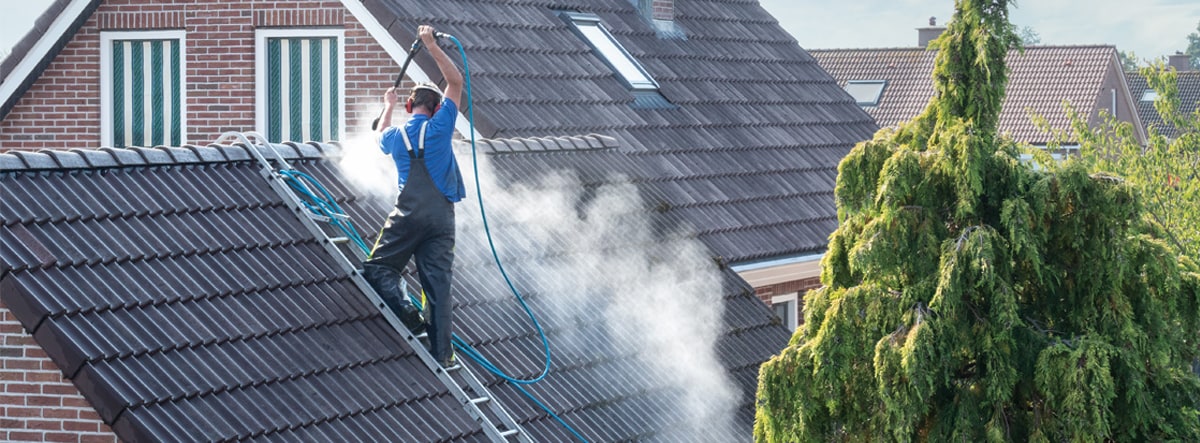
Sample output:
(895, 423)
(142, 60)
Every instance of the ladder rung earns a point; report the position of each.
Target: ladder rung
(456, 367)
(422, 336)
(480, 400)
(318, 217)
(509, 433)
(339, 240)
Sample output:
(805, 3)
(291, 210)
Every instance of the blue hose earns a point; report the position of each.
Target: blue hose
(459, 343)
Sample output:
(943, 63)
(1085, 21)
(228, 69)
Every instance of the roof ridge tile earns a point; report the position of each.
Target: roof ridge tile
(67, 159)
(125, 157)
(153, 156)
(10, 162)
(36, 160)
(96, 159)
(180, 155)
(207, 154)
(232, 152)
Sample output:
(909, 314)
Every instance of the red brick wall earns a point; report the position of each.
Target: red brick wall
(799, 286)
(62, 109)
(36, 402)
(663, 9)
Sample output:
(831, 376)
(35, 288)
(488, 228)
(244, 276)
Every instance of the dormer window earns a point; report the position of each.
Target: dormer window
(866, 92)
(589, 28)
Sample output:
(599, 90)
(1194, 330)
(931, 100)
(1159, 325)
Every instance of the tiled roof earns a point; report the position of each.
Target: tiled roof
(1188, 83)
(750, 149)
(187, 302)
(1040, 80)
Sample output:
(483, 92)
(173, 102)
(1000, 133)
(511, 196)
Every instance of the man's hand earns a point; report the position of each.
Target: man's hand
(390, 97)
(453, 78)
(426, 32)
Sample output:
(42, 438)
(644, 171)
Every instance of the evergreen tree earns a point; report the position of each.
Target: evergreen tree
(969, 297)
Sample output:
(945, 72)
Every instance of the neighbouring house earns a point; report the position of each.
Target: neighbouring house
(1188, 82)
(895, 84)
(163, 293)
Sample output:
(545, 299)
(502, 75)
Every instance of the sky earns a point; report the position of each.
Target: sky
(1149, 28)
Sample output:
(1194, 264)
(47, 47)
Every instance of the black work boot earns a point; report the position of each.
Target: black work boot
(386, 282)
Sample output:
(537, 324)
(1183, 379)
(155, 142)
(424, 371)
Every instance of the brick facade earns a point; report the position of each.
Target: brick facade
(798, 286)
(36, 402)
(663, 9)
(62, 109)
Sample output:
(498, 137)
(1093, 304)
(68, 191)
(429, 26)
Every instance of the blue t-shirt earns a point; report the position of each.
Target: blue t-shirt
(439, 154)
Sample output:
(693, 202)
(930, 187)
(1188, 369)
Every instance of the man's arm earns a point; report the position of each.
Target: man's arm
(454, 79)
(389, 103)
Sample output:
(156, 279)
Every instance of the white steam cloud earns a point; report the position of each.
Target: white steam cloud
(660, 300)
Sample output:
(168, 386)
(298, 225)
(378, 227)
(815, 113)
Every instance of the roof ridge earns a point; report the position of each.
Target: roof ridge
(543, 144)
(108, 157)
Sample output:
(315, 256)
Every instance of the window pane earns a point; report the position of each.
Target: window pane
(786, 312)
(609, 50)
(866, 93)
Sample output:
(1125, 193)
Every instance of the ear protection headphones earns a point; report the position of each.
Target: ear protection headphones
(408, 106)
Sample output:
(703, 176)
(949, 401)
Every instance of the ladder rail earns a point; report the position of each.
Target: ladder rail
(500, 429)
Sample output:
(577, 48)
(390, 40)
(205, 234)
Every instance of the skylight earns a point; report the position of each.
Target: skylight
(866, 92)
(588, 27)
(1149, 95)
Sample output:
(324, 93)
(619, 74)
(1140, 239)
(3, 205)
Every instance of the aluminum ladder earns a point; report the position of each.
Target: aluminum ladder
(495, 421)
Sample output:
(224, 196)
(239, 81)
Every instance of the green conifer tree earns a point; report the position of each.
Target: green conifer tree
(969, 297)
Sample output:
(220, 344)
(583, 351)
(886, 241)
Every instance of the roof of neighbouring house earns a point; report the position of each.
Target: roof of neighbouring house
(1040, 79)
(1188, 83)
(186, 301)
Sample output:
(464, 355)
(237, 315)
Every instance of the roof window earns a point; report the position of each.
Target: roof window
(1149, 95)
(588, 27)
(866, 92)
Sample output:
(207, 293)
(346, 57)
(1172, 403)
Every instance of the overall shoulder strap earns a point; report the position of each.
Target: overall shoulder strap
(420, 151)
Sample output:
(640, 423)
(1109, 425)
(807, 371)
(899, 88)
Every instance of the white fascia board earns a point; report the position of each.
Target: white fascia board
(44, 45)
(782, 270)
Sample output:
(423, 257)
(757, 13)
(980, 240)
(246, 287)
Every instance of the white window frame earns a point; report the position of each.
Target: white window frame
(793, 300)
(260, 71)
(1149, 95)
(106, 89)
(605, 52)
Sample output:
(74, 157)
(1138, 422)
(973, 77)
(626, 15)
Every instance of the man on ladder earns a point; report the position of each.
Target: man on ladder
(422, 223)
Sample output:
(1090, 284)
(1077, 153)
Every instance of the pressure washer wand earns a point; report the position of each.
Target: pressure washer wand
(412, 52)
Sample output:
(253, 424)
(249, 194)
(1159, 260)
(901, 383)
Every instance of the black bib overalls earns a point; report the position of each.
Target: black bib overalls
(421, 224)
